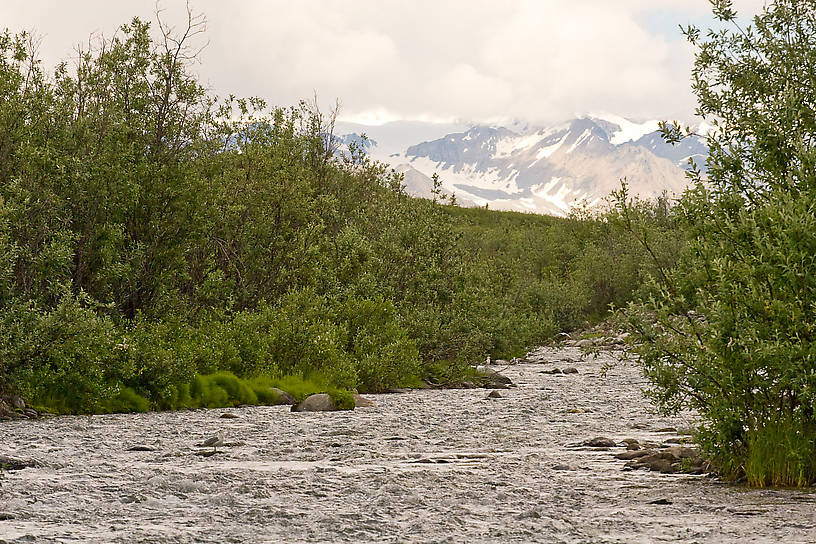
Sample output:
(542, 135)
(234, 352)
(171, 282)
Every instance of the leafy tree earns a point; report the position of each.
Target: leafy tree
(730, 329)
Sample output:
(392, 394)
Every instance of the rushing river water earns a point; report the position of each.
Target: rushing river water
(425, 466)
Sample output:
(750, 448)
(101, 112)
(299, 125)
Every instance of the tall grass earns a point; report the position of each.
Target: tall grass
(781, 453)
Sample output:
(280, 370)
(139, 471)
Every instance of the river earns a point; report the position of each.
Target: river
(424, 466)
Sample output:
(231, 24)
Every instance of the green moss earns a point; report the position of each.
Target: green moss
(343, 400)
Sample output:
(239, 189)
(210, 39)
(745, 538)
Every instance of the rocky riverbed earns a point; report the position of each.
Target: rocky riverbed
(423, 466)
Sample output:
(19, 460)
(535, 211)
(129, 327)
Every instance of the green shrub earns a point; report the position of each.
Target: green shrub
(127, 401)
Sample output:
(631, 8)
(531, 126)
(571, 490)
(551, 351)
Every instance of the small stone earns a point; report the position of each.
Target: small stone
(600, 442)
(494, 395)
(629, 455)
(141, 447)
(570, 370)
(552, 371)
(206, 453)
(661, 501)
(362, 402)
(9, 463)
(667, 430)
(562, 467)
(229, 415)
(631, 444)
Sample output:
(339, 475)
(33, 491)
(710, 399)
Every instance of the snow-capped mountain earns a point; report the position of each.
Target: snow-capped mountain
(548, 170)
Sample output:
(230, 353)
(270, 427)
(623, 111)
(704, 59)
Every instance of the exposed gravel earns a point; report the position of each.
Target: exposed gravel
(425, 466)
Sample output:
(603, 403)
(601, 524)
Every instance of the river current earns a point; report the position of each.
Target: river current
(423, 466)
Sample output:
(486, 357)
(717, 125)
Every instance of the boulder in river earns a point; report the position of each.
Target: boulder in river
(320, 402)
(570, 370)
(494, 380)
(494, 395)
(362, 402)
(282, 397)
(9, 463)
(6, 411)
(600, 442)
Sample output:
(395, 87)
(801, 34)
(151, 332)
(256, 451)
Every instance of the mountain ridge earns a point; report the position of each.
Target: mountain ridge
(548, 169)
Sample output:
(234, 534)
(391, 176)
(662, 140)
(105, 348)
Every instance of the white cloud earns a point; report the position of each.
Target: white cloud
(384, 59)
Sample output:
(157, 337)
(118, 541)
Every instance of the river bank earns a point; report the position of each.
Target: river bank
(423, 466)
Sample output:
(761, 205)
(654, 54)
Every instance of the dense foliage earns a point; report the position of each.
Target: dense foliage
(731, 328)
(163, 248)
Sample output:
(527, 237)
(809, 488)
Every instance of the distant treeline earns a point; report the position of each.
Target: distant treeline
(154, 237)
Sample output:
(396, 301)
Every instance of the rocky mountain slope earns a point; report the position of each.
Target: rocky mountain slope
(548, 170)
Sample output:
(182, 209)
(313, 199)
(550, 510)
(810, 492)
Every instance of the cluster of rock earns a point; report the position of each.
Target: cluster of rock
(604, 335)
(14, 407)
(664, 458)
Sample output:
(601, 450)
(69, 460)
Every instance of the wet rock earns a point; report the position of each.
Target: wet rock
(362, 402)
(600, 442)
(320, 402)
(495, 379)
(631, 444)
(229, 415)
(9, 463)
(668, 460)
(661, 501)
(667, 430)
(6, 411)
(562, 467)
(141, 447)
(552, 371)
(570, 370)
(5, 516)
(681, 452)
(656, 462)
(494, 395)
(282, 397)
(31, 413)
(629, 455)
(207, 453)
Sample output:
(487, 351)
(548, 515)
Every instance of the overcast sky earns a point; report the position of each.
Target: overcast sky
(466, 60)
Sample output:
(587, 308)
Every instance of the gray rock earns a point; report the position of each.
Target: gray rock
(570, 370)
(17, 403)
(667, 430)
(282, 397)
(631, 444)
(600, 442)
(229, 415)
(141, 447)
(629, 455)
(362, 402)
(494, 395)
(9, 463)
(6, 411)
(320, 402)
(5, 516)
(552, 371)
(495, 378)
